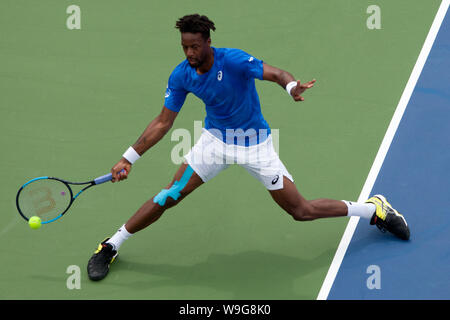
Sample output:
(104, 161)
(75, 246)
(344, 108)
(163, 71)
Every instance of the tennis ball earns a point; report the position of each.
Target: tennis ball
(34, 222)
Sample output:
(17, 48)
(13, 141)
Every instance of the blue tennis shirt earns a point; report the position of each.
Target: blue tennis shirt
(233, 110)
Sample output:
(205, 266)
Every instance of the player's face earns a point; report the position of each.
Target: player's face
(195, 48)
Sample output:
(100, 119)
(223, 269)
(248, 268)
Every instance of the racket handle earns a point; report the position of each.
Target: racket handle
(105, 178)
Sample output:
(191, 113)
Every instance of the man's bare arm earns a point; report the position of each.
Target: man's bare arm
(282, 77)
(154, 132)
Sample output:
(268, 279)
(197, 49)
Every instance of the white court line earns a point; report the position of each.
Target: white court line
(382, 151)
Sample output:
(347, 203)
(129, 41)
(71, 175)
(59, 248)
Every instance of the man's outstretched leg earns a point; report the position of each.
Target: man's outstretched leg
(184, 182)
(377, 210)
(301, 209)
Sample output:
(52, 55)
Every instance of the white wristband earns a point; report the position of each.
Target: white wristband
(290, 85)
(131, 155)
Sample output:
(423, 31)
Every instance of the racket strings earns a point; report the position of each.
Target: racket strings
(45, 198)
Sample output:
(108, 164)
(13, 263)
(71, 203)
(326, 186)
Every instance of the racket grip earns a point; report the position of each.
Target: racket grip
(105, 178)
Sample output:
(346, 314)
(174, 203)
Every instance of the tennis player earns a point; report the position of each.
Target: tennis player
(235, 132)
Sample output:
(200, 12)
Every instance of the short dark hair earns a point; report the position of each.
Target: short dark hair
(195, 23)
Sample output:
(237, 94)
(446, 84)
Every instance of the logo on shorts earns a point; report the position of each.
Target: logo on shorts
(275, 180)
(219, 75)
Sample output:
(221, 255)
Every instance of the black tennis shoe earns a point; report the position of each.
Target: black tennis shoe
(98, 265)
(387, 218)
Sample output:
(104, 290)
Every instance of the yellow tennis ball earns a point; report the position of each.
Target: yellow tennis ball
(35, 222)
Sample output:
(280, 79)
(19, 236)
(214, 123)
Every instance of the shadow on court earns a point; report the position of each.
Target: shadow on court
(246, 275)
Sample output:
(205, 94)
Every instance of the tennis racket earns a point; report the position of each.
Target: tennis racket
(49, 198)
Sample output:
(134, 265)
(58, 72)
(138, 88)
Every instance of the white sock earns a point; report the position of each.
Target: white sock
(121, 235)
(363, 210)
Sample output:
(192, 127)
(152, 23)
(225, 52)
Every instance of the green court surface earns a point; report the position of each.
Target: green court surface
(72, 101)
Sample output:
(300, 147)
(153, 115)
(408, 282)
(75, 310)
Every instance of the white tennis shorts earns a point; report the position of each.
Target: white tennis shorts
(210, 155)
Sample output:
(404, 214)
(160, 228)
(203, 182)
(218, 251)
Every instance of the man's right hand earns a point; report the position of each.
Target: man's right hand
(117, 175)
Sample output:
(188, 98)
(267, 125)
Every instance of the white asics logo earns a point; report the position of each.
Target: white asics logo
(250, 59)
(219, 75)
(167, 92)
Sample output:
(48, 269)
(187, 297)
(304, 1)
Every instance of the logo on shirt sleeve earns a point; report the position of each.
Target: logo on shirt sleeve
(251, 59)
(167, 92)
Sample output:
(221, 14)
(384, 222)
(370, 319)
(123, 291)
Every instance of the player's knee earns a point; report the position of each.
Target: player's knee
(169, 197)
(302, 213)
(176, 191)
(299, 216)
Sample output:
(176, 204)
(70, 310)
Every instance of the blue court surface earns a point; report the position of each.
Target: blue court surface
(415, 178)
